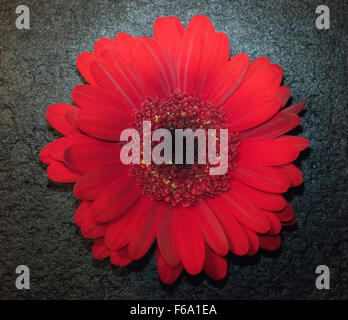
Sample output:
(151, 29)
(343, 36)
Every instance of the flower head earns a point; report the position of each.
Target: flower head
(183, 78)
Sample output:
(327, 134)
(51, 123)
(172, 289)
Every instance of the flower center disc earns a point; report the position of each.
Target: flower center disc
(182, 183)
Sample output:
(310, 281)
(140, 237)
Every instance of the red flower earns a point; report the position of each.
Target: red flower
(181, 78)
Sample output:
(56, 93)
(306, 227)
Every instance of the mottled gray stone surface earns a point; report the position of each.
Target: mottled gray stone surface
(37, 68)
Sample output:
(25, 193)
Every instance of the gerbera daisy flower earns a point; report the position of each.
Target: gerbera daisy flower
(182, 78)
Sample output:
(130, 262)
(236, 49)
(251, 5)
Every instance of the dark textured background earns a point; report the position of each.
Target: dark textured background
(37, 69)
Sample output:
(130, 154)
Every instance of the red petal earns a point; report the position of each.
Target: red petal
(213, 233)
(87, 157)
(276, 226)
(166, 238)
(296, 108)
(90, 185)
(115, 200)
(123, 45)
(215, 53)
(292, 173)
(270, 242)
(104, 44)
(56, 116)
(263, 178)
(90, 230)
(190, 52)
(105, 79)
(120, 257)
(168, 274)
(118, 231)
(297, 142)
(283, 94)
(103, 123)
(215, 265)
(93, 97)
(81, 212)
(246, 213)
(200, 22)
(225, 82)
(262, 80)
(287, 214)
(99, 250)
(59, 172)
(126, 81)
(45, 155)
(289, 223)
(253, 241)
(252, 113)
(189, 240)
(168, 32)
(266, 152)
(57, 148)
(275, 127)
(152, 67)
(144, 231)
(237, 240)
(260, 199)
(83, 63)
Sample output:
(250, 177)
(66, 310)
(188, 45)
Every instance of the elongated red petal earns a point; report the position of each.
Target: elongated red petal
(56, 116)
(103, 123)
(252, 113)
(283, 94)
(275, 223)
(120, 257)
(189, 240)
(81, 212)
(168, 32)
(87, 157)
(292, 173)
(266, 152)
(189, 63)
(56, 149)
(123, 75)
(59, 172)
(213, 233)
(215, 53)
(260, 199)
(270, 242)
(118, 231)
(222, 84)
(248, 215)
(260, 81)
(237, 240)
(253, 241)
(45, 155)
(167, 273)
(152, 67)
(83, 63)
(281, 123)
(99, 250)
(263, 178)
(295, 108)
(115, 200)
(287, 214)
(90, 185)
(104, 44)
(144, 232)
(89, 229)
(166, 238)
(215, 265)
(296, 142)
(123, 45)
(93, 97)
